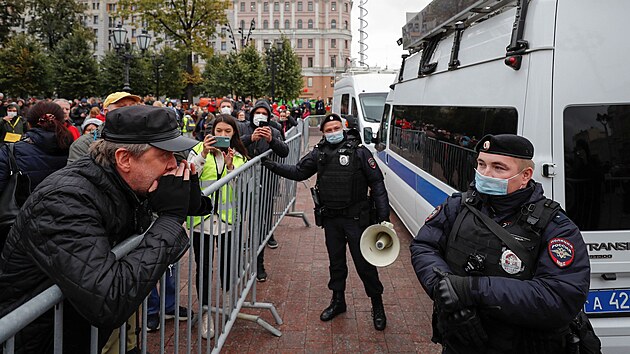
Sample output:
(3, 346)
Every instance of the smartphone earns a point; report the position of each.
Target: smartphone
(263, 123)
(221, 142)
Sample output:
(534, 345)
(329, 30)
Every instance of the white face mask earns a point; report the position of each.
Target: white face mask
(12, 114)
(258, 117)
(226, 110)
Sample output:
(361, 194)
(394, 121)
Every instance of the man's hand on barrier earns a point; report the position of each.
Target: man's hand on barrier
(465, 326)
(451, 292)
(170, 195)
(268, 163)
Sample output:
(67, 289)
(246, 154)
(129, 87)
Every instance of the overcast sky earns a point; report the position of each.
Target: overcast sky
(385, 21)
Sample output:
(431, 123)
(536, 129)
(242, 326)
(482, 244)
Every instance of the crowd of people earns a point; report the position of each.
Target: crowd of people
(507, 270)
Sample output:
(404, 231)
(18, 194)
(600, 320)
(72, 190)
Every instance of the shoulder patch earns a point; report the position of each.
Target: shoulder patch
(433, 213)
(561, 252)
(372, 163)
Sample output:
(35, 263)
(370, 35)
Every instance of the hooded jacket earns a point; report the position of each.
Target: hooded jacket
(255, 148)
(64, 235)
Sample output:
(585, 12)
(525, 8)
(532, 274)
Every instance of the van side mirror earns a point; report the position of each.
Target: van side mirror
(368, 136)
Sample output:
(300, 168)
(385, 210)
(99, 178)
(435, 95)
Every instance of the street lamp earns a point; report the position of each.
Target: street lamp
(241, 31)
(272, 52)
(124, 50)
(158, 62)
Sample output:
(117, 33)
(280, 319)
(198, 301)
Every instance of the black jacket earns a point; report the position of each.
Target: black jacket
(64, 235)
(37, 155)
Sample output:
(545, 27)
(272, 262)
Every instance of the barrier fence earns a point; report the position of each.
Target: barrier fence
(249, 204)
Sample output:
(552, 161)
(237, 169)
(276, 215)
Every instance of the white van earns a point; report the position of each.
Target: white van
(562, 82)
(359, 99)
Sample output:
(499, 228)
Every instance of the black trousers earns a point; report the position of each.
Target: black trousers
(340, 232)
(208, 251)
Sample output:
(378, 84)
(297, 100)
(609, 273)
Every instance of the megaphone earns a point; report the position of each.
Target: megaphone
(380, 245)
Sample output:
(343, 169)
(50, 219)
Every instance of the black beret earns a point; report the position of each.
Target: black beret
(142, 124)
(507, 145)
(330, 118)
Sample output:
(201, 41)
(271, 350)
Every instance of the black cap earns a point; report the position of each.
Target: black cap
(507, 145)
(330, 118)
(156, 126)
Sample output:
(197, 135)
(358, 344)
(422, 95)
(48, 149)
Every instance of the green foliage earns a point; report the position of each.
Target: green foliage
(252, 76)
(10, 16)
(112, 74)
(75, 69)
(25, 68)
(216, 82)
(170, 64)
(54, 20)
(288, 77)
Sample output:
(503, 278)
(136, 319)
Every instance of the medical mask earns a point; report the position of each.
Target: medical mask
(226, 110)
(491, 185)
(259, 117)
(12, 114)
(334, 138)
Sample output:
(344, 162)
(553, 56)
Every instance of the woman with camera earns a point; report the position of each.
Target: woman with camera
(219, 154)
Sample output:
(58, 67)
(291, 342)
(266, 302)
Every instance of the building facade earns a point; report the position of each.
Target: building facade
(319, 32)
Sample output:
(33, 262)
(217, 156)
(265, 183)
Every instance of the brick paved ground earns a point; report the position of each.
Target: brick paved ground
(297, 286)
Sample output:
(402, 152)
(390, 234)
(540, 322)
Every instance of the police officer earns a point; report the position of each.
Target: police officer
(345, 169)
(506, 268)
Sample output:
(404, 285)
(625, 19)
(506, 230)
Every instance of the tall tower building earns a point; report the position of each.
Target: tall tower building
(319, 32)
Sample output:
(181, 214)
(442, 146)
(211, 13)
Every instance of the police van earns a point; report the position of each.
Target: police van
(359, 98)
(551, 70)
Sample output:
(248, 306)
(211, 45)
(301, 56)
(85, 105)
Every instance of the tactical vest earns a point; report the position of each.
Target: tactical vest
(340, 179)
(474, 249)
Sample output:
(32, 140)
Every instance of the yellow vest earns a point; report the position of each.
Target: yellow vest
(210, 173)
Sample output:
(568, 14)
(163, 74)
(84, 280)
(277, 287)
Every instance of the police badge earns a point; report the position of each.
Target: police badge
(344, 160)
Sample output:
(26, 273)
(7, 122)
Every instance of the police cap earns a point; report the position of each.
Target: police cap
(329, 118)
(507, 145)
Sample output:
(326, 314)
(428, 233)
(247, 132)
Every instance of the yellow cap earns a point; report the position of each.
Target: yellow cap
(116, 96)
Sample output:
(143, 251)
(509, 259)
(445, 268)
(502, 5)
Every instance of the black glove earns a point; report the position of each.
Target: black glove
(194, 204)
(270, 164)
(465, 327)
(171, 197)
(451, 292)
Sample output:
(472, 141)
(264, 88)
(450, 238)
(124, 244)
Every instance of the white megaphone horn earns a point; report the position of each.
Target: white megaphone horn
(380, 245)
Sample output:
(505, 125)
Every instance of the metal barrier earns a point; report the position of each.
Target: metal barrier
(249, 204)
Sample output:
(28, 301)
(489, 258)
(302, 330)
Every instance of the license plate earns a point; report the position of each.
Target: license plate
(608, 301)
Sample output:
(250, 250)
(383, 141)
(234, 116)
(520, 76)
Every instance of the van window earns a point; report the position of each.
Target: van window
(354, 108)
(345, 99)
(440, 140)
(382, 132)
(372, 104)
(597, 166)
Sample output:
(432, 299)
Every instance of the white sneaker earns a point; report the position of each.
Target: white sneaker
(205, 333)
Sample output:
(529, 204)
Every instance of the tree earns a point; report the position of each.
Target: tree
(171, 69)
(217, 81)
(10, 16)
(54, 20)
(288, 75)
(253, 78)
(112, 74)
(190, 23)
(25, 68)
(75, 71)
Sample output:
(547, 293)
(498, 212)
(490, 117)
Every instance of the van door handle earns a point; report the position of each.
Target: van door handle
(609, 276)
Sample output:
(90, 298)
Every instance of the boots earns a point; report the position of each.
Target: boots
(378, 313)
(337, 306)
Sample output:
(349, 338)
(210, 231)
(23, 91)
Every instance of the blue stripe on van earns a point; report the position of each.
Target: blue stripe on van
(424, 188)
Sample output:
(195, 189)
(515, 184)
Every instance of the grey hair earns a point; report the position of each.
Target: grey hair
(104, 152)
(61, 100)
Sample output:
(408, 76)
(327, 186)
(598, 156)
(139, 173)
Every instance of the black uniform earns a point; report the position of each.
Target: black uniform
(345, 171)
(518, 290)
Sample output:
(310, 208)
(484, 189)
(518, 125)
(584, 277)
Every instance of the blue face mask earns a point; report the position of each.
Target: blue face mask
(334, 138)
(491, 185)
